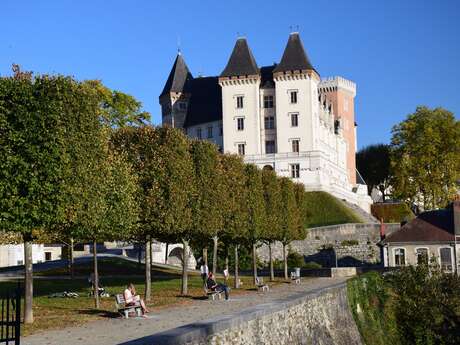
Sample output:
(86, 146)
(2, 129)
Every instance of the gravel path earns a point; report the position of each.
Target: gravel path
(116, 331)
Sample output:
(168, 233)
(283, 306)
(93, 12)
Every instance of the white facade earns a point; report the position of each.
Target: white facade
(282, 117)
(13, 254)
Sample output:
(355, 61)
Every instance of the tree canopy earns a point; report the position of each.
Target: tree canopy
(425, 157)
(373, 163)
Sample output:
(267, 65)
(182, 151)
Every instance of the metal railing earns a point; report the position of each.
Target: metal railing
(10, 319)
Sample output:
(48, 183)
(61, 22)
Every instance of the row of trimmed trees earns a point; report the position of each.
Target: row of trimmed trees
(77, 164)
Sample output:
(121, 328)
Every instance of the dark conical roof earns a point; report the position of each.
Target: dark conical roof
(241, 61)
(294, 56)
(179, 77)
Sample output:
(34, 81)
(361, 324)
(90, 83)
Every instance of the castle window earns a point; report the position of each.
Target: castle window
(295, 145)
(240, 123)
(294, 120)
(269, 122)
(293, 97)
(239, 102)
(241, 149)
(268, 101)
(209, 132)
(198, 133)
(295, 170)
(182, 106)
(270, 146)
(400, 256)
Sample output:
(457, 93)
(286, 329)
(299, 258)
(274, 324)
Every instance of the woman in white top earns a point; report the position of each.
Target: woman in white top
(132, 299)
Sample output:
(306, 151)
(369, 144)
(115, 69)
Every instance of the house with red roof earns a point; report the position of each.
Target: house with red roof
(433, 234)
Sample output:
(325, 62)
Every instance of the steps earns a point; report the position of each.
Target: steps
(360, 213)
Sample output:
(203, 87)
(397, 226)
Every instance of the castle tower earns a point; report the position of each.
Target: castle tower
(240, 82)
(296, 101)
(341, 93)
(175, 97)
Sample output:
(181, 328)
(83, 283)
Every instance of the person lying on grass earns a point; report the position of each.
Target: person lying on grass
(132, 299)
(214, 286)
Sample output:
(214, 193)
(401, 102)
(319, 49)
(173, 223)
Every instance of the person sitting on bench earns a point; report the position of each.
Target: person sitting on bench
(214, 286)
(132, 299)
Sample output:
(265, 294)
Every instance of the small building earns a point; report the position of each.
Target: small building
(432, 234)
(13, 254)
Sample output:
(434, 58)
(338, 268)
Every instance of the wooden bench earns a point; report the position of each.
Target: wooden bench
(260, 284)
(212, 294)
(123, 309)
(295, 278)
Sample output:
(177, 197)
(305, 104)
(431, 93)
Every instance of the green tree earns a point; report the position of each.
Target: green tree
(207, 213)
(233, 205)
(141, 147)
(255, 205)
(272, 199)
(373, 163)
(32, 160)
(290, 218)
(425, 157)
(174, 193)
(117, 109)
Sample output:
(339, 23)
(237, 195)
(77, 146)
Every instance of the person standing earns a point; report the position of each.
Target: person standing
(204, 271)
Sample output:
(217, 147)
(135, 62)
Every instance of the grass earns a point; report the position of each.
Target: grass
(324, 209)
(370, 301)
(55, 313)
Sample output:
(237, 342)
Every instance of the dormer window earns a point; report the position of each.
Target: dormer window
(239, 102)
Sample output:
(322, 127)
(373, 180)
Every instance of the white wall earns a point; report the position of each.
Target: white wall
(250, 136)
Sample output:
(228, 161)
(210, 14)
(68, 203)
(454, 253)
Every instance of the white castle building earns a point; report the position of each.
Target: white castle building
(283, 117)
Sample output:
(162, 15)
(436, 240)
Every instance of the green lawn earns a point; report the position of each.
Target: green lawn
(52, 313)
(324, 209)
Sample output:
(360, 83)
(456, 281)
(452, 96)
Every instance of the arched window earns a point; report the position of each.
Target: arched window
(400, 256)
(268, 167)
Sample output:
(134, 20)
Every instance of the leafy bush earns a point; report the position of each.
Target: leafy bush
(392, 213)
(349, 243)
(311, 265)
(414, 305)
(324, 209)
(295, 259)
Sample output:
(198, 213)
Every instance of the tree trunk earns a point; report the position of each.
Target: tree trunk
(205, 256)
(285, 262)
(28, 282)
(254, 262)
(139, 255)
(272, 271)
(148, 270)
(166, 254)
(184, 268)
(214, 256)
(96, 277)
(237, 277)
(71, 259)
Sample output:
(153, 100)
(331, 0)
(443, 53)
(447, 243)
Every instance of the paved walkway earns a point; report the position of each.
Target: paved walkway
(117, 331)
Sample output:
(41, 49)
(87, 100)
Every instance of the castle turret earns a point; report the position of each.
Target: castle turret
(175, 97)
(240, 82)
(296, 99)
(341, 93)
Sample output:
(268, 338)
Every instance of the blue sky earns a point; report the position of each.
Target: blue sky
(400, 53)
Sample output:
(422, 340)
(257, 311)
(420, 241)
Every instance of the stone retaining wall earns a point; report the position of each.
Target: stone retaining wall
(319, 317)
(355, 245)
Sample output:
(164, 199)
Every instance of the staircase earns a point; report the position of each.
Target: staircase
(360, 213)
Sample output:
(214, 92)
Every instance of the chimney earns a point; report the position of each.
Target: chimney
(456, 209)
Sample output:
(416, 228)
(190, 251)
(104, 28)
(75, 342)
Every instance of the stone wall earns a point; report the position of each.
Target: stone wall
(320, 317)
(354, 244)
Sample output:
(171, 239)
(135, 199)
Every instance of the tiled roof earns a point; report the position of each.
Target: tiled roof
(294, 56)
(241, 61)
(205, 102)
(431, 226)
(179, 78)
